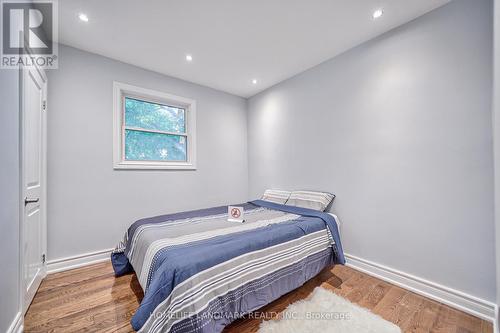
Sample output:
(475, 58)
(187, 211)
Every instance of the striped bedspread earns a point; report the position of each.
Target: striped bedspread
(199, 272)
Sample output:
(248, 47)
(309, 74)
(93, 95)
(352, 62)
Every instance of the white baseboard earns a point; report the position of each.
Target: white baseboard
(64, 264)
(454, 298)
(17, 324)
(496, 323)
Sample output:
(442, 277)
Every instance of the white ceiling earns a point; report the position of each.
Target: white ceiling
(231, 41)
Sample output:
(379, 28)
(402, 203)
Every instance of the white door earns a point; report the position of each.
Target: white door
(33, 228)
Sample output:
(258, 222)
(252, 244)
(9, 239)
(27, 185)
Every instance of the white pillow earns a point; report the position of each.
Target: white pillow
(276, 196)
(310, 199)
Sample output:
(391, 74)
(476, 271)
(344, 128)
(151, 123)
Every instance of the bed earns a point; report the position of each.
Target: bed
(200, 272)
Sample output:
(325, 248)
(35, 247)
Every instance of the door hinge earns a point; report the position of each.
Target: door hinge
(44, 105)
(43, 258)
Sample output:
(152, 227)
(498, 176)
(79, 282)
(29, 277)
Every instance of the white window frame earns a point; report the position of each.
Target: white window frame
(122, 90)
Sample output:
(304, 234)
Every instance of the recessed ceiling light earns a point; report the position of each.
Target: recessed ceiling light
(254, 81)
(83, 17)
(189, 57)
(378, 13)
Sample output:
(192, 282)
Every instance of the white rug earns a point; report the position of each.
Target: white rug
(323, 311)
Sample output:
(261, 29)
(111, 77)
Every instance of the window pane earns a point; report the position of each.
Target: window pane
(154, 116)
(147, 146)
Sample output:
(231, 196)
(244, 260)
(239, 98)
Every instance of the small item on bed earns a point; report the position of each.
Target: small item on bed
(235, 214)
(310, 199)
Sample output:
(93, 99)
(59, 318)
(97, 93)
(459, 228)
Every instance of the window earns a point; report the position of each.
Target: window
(153, 130)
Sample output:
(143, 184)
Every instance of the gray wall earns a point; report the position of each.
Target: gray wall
(9, 197)
(89, 204)
(399, 129)
(496, 126)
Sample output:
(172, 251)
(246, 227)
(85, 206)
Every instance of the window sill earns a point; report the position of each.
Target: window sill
(139, 165)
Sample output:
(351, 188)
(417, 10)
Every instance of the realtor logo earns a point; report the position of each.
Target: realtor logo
(29, 33)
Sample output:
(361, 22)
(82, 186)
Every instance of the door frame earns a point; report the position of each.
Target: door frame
(23, 72)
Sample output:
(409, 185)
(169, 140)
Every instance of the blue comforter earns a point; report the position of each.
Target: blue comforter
(200, 272)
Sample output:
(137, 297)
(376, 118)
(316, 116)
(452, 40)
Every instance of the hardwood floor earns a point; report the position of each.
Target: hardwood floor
(91, 299)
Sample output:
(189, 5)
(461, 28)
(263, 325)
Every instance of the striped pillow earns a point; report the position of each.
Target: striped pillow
(310, 199)
(276, 196)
